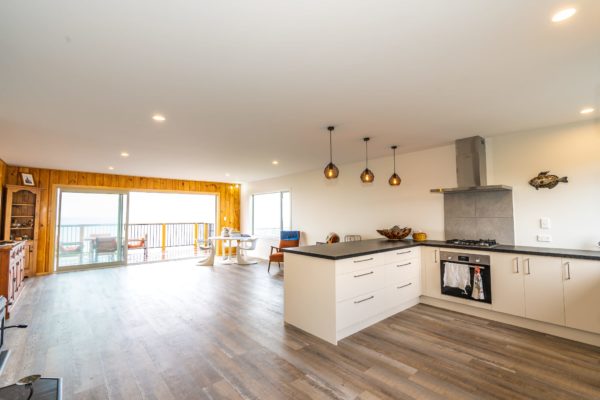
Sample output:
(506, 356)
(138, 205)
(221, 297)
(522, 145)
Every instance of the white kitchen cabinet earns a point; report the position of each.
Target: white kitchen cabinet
(543, 283)
(508, 290)
(430, 264)
(582, 294)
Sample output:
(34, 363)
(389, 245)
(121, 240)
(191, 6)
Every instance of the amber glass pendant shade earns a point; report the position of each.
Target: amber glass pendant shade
(331, 171)
(367, 175)
(395, 178)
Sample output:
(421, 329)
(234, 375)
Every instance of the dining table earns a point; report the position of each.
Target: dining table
(227, 256)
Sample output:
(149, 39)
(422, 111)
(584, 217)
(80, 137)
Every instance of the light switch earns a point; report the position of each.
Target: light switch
(545, 223)
(544, 238)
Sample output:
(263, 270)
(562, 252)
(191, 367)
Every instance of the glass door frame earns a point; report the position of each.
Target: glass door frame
(123, 224)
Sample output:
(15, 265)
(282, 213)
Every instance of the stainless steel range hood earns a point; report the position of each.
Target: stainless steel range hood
(471, 171)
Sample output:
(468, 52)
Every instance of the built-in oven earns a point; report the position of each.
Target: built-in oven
(465, 275)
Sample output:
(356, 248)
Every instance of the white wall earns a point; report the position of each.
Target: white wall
(347, 206)
(574, 208)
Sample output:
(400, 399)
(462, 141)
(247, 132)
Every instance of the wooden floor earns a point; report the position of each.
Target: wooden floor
(178, 331)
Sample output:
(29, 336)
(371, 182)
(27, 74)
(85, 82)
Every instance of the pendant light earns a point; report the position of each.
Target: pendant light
(394, 179)
(367, 175)
(331, 171)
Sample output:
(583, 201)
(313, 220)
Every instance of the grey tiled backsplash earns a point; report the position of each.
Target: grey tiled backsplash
(480, 215)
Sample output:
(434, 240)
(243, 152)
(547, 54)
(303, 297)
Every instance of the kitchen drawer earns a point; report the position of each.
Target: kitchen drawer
(359, 308)
(400, 255)
(402, 292)
(402, 271)
(359, 282)
(356, 263)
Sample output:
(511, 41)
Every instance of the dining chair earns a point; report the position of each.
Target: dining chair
(286, 239)
(244, 246)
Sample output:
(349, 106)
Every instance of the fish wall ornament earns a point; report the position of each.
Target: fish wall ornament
(546, 181)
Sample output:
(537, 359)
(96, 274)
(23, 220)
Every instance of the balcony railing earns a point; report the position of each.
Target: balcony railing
(163, 238)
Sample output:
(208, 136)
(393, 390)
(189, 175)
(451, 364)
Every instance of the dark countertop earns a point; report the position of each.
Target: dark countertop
(339, 251)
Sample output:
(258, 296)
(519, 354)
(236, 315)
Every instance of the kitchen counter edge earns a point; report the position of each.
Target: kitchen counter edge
(373, 246)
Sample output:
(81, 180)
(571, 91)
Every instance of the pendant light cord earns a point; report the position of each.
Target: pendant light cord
(330, 148)
(394, 161)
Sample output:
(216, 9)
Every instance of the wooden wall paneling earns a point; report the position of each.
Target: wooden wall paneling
(47, 180)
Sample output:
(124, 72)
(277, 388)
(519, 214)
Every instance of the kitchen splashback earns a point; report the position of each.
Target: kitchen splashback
(475, 215)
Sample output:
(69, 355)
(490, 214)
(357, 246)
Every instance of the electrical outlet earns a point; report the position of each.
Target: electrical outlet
(544, 238)
(545, 223)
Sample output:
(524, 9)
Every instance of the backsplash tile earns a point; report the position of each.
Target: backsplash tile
(480, 215)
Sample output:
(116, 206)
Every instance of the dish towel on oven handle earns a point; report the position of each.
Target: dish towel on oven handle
(477, 293)
(457, 276)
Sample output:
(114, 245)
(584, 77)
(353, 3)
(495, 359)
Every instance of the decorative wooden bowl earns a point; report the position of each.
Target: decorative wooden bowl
(395, 233)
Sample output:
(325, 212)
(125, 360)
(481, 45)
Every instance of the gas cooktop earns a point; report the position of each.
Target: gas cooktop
(483, 243)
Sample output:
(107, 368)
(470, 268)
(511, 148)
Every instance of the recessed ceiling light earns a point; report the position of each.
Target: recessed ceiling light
(274, 162)
(587, 110)
(563, 14)
(111, 167)
(124, 154)
(159, 118)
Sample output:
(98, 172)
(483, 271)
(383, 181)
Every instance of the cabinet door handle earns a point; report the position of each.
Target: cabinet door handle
(366, 259)
(568, 264)
(435, 256)
(403, 286)
(404, 252)
(365, 274)
(528, 269)
(517, 263)
(403, 265)
(368, 298)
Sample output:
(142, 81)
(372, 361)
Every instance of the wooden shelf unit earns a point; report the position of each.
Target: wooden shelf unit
(21, 221)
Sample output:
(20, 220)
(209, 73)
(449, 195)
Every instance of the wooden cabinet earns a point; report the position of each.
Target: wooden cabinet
(21, 221)
(582, 294)
(12, 272)
(507, 284)
(430, 274)
(543, 282)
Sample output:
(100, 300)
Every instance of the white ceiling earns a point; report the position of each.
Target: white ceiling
(245, 82)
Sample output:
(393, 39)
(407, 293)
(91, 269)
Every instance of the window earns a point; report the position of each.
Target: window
(271, 214)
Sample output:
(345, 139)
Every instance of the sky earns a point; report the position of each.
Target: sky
(145, 207)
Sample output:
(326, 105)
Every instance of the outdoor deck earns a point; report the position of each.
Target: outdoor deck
(162, 242)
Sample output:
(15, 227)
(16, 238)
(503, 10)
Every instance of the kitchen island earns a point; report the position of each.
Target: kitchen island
(333, 291)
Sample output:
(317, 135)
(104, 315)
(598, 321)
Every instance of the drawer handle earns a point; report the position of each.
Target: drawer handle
(368, 298)
(404, 252)
(403, 265)
(367, 259)
(365, 274)
(403, 286)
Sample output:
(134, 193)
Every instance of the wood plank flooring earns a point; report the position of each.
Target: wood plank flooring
(178, 331)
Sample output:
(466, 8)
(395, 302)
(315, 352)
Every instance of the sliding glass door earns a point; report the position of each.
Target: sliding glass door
(90, 229)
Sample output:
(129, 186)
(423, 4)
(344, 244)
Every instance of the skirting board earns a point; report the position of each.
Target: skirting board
(556, 330)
